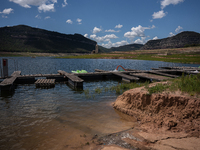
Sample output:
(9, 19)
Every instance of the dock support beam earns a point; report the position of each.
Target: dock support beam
(73, 80)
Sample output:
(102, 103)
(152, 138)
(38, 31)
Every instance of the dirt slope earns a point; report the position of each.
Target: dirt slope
(161, 112)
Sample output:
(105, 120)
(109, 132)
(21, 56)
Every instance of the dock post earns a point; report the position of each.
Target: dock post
(5, 68)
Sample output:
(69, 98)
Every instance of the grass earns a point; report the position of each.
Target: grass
(98, 90)
(120, 88)
(176, 56)
(158, 88)
(189, 84)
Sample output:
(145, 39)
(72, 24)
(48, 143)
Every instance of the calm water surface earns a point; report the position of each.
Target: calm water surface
(34, 118)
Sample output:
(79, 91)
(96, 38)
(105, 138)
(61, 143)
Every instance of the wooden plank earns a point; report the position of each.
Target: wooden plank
(11, 80)
(40, 75)
(150, 76)
(126, 77)
(73, 80)
(98, 70)
(164, 74)
(72, 77)
(45, 83)
(180, 68)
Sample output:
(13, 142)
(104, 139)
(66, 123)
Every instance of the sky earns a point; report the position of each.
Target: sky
(111, 23)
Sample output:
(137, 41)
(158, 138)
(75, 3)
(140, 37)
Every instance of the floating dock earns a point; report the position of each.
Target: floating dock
(45, 83)
(8, 83)
(76, 80)
(73, 80)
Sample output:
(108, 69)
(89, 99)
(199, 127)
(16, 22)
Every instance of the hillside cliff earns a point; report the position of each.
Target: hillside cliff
(23, 38)
(186, 38)
(129, 47)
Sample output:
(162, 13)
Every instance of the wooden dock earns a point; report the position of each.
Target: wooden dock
(163, 74)
(122, 74)
(150, 76)
(8, 83)
(76, 80)
(45, 83)
(126, 78)
(73, 80)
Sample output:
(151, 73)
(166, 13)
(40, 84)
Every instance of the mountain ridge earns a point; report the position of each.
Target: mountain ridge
(183, 39)
(23, 38)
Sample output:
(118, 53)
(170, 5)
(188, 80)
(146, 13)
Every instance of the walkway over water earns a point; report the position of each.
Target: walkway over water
(76, 79)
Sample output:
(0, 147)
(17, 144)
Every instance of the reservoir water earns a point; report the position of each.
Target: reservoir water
(57, 118)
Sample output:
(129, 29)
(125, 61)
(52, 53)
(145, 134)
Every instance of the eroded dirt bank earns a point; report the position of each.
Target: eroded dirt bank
(166, 120)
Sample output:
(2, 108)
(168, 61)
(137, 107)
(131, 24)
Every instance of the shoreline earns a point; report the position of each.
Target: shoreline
(189, 55)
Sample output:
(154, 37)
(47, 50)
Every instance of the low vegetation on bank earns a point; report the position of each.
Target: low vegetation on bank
(189, 55)
(186, 84)
(180, 55)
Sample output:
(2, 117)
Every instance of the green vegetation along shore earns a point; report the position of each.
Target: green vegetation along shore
(190, 55)
(186, 84)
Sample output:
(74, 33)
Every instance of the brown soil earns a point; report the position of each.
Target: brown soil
(161, 112)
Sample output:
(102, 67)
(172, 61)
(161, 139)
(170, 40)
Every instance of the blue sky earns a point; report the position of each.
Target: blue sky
(111, 23)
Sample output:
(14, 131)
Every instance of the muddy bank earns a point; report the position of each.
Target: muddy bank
(161, 112)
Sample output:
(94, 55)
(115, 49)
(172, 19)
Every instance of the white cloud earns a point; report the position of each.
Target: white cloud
(110, 36)
(96, 30)
(38, 16)
(103, 38)
(86, 35)
(119, 26)
(165, 3)
(140, 41)
(28, 3)
(137, 32)
(111, 30)
(152, 27)
(159, 14)
(117, 44)
(79, 21)
(65, 3)
(108, 45)
(178, 29)
(45, 7)
(47, 17)
(171, 34)
(4, 16)
(155, 38)
(69, 21)
(7, 11)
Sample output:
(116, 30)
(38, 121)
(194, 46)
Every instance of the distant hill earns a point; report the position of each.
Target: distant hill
(183, 39)
(129, 47)
(23, 38)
